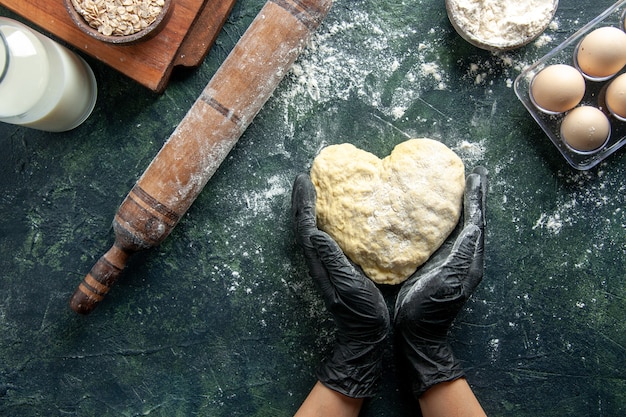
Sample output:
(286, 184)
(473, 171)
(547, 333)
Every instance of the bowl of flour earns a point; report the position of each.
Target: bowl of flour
(498, 25)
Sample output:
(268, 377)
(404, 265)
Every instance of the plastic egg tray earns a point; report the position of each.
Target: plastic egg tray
(551, 123)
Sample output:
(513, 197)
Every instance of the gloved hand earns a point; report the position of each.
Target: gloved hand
(430, 299)
(357, 306)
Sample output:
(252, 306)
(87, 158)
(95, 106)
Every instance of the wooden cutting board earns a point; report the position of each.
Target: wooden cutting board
(184, 41)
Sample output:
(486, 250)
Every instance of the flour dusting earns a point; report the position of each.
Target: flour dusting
(588, 197)
(333, 67)
(259, 202)
(471, 152)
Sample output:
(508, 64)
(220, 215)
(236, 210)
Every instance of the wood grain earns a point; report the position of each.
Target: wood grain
(185, 40)
(203, 139)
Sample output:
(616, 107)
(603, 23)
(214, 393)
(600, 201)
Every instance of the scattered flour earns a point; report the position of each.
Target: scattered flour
(334, 67)
(543, 40)
(506, 64)
(552, 223)
(471, 152)
(259, 202)
(588, 192)
(384, 68)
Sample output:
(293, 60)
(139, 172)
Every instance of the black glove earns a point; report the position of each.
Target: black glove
(430, 299)
(357, 306)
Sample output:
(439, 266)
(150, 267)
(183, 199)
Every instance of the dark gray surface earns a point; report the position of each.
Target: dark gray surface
(222, 320)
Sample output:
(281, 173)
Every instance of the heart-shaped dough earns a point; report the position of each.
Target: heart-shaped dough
(389, 215)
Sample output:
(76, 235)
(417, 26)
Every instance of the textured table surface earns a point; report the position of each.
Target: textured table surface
(222, 319)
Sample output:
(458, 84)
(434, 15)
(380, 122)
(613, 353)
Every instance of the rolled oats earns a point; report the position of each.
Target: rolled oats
(119, 17)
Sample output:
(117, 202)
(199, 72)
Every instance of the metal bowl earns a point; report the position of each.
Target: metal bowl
(107, 32)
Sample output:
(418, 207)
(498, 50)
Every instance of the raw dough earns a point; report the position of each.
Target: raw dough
(389, 215)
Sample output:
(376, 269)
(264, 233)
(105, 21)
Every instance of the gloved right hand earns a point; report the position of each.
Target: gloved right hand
(357, 306)
(430, 299)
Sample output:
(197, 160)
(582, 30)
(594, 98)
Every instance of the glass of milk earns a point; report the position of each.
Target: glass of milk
(43, 85)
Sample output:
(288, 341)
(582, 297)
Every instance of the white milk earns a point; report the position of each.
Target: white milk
(45, 86)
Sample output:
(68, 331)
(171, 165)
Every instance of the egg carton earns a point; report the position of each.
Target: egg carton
(594, 92)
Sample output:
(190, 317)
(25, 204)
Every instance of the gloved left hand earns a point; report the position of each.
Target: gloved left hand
(357, 306)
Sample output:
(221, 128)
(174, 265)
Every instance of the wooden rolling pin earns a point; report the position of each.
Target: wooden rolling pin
(203, 139)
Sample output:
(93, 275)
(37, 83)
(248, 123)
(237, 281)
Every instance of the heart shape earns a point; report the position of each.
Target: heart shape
(389, 215)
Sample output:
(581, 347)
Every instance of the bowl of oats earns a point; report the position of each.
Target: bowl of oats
(120, 21)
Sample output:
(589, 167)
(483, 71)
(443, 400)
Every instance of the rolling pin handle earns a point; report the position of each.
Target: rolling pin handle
(99, 280)
(201, 141)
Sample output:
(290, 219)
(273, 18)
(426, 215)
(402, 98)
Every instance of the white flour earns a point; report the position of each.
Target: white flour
(502, 23)
(334, 67)
(587, 191)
